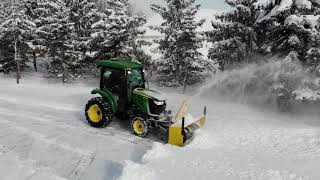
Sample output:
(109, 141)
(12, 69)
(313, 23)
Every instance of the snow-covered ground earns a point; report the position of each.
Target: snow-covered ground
(44, 135)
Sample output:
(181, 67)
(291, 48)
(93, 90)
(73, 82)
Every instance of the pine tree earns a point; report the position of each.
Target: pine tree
(41, 15)
(114, 34)
(288, 26)
(265, 28)
(235, 37)
(16, 34)
(3, 15)
(313, 54)
(83, 14)
(137, 21)
(35, 44)
(3, 12)
(182, 62)
(59, 35)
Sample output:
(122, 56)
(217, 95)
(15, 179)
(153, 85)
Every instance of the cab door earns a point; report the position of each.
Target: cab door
(135, 79)
(114, 81)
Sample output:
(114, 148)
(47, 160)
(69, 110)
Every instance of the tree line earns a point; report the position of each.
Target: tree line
(74, 34)
(257, 28)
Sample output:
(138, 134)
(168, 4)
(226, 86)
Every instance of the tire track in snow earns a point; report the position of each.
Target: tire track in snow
(26, 143)
(26, 169)
(29, 102)
(50, 116)
(57, 131)
(84, 162)
(39, 136)
(107, 133)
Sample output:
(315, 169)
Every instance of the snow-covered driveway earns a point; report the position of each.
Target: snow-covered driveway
(44, 135)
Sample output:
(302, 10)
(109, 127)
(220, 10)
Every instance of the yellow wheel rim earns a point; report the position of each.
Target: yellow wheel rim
(138, 126)
(94, 113)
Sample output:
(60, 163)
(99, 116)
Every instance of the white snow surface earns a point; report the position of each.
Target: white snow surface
(44, 135)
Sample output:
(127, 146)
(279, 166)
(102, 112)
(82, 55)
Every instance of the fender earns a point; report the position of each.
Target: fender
(108, 96)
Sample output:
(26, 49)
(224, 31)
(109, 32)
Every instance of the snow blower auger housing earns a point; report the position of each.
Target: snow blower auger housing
(123, 95)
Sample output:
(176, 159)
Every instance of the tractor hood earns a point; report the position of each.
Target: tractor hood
(149, 94)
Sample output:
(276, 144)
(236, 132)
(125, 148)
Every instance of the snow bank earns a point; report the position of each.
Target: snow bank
(143, 170)
(134, 170)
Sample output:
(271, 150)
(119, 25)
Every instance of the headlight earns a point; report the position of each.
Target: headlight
(159, 103)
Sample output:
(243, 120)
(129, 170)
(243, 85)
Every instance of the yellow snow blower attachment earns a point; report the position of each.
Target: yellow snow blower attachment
(182, 130)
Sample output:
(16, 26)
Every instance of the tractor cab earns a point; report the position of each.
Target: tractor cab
(120, 78)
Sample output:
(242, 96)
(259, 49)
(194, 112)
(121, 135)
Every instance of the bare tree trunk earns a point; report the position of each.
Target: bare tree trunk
(17, 62)
(185, 81)
(35, 61)
(63, 69)
(63, 77)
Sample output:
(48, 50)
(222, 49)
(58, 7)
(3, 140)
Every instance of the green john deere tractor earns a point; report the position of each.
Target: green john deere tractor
(123, 94)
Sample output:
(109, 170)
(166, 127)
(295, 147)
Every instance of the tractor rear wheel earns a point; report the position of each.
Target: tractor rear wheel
(140, 127)
(98, 112)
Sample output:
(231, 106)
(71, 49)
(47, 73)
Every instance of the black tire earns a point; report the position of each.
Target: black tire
(104, 112)
(142, 131)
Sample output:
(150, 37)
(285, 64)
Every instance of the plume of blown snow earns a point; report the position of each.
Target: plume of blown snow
(271, 83)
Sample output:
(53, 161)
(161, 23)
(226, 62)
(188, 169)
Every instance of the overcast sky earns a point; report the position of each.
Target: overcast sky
(144, 5)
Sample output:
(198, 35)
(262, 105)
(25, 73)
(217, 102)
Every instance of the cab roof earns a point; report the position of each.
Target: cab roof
(119, 64)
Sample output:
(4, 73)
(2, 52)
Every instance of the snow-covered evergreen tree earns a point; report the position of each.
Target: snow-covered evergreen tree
(3, 12)
(289, 26)
(83, 14)
(313, 54)
(115, 33)
(266, 27)
(137, 21)
(182, 62)
(285, 28)
(235, 37)
(16, 34)
(59, 35)
(36, 44)
(42, 17)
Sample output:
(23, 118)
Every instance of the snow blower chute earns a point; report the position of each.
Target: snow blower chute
(123, 94)
(182, 130)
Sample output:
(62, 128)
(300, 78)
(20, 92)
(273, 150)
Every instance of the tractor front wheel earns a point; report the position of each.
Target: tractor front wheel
(98, 112)
(140, 127)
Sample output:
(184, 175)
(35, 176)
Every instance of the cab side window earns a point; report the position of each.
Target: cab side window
(135, 77)
(105, 78)
(113, 80)
(107, 74)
